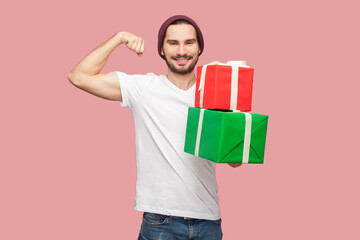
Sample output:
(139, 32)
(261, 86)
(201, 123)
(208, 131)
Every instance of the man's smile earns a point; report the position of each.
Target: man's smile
(182, 60)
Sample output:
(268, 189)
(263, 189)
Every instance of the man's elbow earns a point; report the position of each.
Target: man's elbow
(73, 79)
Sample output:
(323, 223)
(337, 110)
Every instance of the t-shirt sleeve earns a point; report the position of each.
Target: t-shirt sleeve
(132, 87)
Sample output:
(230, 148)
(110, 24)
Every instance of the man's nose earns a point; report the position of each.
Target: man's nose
(181, 50)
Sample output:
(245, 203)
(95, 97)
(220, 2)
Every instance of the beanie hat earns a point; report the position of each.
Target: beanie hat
(172, 19)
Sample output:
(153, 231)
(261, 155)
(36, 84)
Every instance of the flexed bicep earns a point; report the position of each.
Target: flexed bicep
(86, 74)
(102, 85)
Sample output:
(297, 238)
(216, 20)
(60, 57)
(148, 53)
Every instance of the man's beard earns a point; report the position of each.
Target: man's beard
(181, 71)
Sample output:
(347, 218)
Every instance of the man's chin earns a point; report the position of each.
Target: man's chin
(183, 67)
(182, 70)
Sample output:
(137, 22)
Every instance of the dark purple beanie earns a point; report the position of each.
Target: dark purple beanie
(172, 19)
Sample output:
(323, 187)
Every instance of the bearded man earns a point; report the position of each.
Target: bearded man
(176, 191)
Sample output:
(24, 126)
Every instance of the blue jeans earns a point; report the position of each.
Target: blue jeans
(162, 227)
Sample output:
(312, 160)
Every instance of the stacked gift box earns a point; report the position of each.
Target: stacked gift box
(220, 127)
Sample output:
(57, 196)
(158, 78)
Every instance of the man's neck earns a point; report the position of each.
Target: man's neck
(182, 81)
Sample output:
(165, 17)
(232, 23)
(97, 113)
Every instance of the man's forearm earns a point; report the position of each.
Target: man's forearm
(95, 60)
(86, 74)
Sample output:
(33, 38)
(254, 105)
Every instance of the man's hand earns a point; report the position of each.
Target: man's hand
(234, 165)
(133, 42)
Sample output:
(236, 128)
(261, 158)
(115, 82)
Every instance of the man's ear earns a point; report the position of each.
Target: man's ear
(162, 52)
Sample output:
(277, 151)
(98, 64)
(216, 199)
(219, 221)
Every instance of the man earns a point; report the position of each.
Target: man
(176, 191)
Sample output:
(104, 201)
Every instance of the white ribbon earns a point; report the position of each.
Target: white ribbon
(234, 80)
(234, 87)
(198, 136)
(202, 84)
(247, 137)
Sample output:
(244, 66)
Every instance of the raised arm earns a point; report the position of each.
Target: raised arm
(86, 74)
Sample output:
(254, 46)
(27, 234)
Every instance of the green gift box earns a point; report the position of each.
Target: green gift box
(226, 137)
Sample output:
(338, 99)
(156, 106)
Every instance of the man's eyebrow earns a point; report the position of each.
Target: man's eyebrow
(187, 40)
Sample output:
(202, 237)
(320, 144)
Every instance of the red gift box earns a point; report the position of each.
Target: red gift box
(224, 87)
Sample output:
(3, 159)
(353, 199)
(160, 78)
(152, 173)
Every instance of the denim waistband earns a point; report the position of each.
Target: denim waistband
(181, 217)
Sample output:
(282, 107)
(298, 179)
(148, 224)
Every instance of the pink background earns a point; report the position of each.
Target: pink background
(67, 167)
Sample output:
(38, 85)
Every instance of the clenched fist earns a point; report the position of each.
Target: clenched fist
(133, 42)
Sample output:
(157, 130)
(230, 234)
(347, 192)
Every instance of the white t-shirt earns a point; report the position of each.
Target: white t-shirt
(169, 181)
